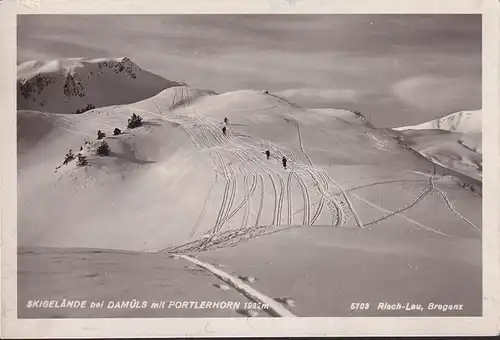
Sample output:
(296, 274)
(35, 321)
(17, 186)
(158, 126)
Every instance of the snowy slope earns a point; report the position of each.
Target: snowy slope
(77, 84)
(454, 141)
(454, 151)
(177, 177)
(463, 122)
(351, 197)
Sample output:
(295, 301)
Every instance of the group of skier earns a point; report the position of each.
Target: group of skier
(267, 152)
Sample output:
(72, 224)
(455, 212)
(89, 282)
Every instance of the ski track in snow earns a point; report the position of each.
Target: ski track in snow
(261, 205)
(280, 200)
(248, 193)
(204, 209)
(409, 206)
(230, 149)
(423, 226)
(305, 198)
(301, 144)
(274, 308)
(452, 208)
(206, 134)
(289, 199)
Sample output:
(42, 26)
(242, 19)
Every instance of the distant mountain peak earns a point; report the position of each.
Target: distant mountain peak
(461, 121)
(73, 85)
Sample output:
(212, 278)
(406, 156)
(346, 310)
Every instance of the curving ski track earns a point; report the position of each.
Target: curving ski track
(246, 151)
(289, 199)
(204, 209)
(246, 212)
(452, 208)
(423, 226)
(409, 206)
(261, 205)
(305, 199)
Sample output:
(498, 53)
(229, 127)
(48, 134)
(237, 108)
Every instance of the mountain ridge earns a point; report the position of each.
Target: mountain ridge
(460, 121)
(76, 85)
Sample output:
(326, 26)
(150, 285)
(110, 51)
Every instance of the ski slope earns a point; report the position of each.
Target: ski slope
(351, 195)
(191, 181)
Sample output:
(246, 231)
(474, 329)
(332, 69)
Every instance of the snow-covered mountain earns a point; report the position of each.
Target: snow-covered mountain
(76, 85)
(454, 141)
(462, 122)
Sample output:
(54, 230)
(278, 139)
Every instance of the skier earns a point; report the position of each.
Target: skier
(284, 162)
(226, 121)
(224, 130)
(268, 154)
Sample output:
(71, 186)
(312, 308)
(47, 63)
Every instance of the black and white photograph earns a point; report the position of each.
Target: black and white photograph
(197, 173)
(249, 166)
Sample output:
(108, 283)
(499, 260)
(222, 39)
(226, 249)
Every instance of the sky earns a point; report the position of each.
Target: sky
(395, 69)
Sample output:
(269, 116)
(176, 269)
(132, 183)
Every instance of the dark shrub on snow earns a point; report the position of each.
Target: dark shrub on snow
(82, 160)
(100, 134)
(134, 121)
(69, 157)
(117, 131)
(85, 109)
(103, 149)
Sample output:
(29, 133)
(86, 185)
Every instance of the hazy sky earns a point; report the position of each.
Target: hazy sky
(396, 69)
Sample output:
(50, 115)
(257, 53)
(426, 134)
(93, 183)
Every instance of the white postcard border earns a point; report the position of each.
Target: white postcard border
(217, 327)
